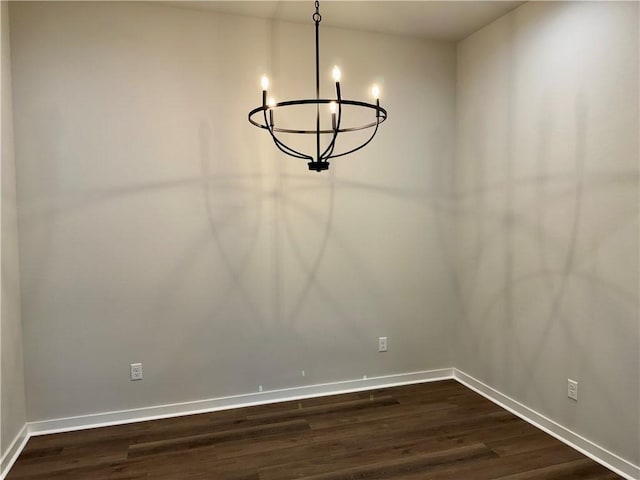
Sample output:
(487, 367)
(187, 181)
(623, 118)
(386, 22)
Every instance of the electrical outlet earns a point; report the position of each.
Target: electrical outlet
(136, 371)
(572, 389)
(382, 344)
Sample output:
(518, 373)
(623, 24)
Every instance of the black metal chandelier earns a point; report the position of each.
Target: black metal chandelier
(264, 117)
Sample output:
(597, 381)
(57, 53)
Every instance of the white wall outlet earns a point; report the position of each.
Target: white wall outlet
(572, 389)
(136, 371)
(382, 344)
(260, 388)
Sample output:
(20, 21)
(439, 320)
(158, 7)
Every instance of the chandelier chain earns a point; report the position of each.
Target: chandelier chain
(316, 16)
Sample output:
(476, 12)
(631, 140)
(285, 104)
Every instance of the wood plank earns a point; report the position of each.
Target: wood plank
(402, 466)
(195, 441)
(524, 443)
(582, 468)
(492, 468)
(339, 408)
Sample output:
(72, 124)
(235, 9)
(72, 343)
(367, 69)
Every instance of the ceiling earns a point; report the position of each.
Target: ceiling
(440, 20)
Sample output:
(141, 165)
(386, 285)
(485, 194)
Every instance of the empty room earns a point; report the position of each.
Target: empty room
(274, 240)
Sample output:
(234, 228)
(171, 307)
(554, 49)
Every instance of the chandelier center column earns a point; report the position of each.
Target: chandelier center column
(317, 18)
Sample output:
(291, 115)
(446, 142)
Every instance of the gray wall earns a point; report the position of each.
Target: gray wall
(12, 400)
(157, 225)
(547, 213)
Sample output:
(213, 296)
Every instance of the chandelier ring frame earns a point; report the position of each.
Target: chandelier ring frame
(381, 115)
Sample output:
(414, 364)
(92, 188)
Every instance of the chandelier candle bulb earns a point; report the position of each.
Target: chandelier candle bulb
(264, 81)
(271, 104)
(375, 91)
(332, 109)
(336, 73)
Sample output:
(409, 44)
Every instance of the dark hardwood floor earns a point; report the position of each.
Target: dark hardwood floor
(438, 430)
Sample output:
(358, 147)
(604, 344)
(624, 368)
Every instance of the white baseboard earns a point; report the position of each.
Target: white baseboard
(14, 450)
(588, 448)
(237, 401)
(601, 455)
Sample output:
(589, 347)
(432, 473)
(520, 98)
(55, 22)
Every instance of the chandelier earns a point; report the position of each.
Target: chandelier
(265, 116)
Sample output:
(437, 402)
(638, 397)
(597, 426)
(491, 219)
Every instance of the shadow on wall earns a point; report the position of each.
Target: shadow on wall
(267, 234)
(560, 277)
(537, 292)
